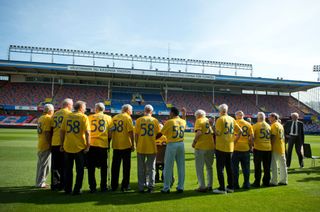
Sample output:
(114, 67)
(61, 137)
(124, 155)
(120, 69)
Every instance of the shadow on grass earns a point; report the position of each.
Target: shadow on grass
(311, 170)
(32, 195)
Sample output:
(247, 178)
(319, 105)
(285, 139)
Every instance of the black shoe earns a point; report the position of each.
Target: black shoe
(282, 184)
(124, 189)
(236, 187)
(256, 185)
(141, 191)
(92, 191)
(179, 191)
(75, 193)
(209, 189)
(104, 189)
(150, 190)
(165, 192)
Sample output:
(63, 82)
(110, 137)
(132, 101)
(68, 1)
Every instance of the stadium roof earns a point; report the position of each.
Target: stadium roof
(169, 78)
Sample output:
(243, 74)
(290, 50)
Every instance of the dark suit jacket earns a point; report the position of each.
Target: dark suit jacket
(287, 129)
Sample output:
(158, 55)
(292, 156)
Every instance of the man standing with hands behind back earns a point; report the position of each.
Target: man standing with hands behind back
(75, 139)
(295, 133)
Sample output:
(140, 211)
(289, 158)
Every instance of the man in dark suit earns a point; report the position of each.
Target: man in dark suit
(294, 133)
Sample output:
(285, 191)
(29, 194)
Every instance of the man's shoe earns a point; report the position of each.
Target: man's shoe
(201, 190)
(179, 191)
(209, 189)
(165, 192)
(217, 191)
(282, 184)
(256, 185)
(150, 190)
(230, 190)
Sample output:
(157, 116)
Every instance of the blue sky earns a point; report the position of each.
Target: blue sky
(280, 38)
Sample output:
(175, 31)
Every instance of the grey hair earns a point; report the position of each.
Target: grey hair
(275, 115)
(261, 115)
(126, 107)
(148, 108)
(295, 114)
(223, 108)
(66, 102)
(240, 112)
(48, 107)
(99, 106)
(200, 112)
(79, 104)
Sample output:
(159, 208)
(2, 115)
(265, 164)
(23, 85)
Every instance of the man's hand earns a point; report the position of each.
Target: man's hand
(132, 148)
(184, 113)
(61, 148)
(86, 150)
(194, 144)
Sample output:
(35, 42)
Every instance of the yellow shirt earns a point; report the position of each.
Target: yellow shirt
(174, 129)
(120, 136)
(242, 144)
(226, 127)
(100, 125)
(262, 136)
(75, 124)
(56, 122)
(278, 132)
(205, 140)
(44, 124)
(147, 128)
(162, 139)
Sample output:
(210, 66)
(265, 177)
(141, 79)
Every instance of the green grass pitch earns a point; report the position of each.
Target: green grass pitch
(17, 176)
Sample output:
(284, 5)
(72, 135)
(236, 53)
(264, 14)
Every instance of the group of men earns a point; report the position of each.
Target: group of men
(67, 137)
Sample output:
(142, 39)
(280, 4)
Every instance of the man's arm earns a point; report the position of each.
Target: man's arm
(184, 113)
(87, 135)
(131, 136)
(302, 133)
(62, 136)
(198, 134)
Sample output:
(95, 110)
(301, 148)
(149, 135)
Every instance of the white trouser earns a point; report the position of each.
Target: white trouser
(204, 157)
(278, 163)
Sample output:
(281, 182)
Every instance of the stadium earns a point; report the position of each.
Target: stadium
(27, 85)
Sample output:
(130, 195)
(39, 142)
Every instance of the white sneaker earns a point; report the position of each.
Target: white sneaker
(229, 190)
(217, 191)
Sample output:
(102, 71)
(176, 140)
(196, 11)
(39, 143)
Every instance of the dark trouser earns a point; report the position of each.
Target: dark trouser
(263, 157)
(159, 167)
(69, 159)
(294, 140)
(97, 157)
(224, 160)
(57, 163)
(125, 156)
(244, 159)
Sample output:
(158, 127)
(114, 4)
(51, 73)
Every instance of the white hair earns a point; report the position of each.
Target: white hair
(223, 108)
(275, 115)
(67, 102)
(48, 107)
(295, 114)
(261, 115)
(200, 112)
(126, 107)
(240, 112)
(99, 106)
(148, 108)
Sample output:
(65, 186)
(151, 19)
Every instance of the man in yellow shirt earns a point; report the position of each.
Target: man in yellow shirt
(75, 140)
(241, 152)
(123, 145)
(57, 166)
(101, 126)
(262, 150)
(44, 145)
(174, 129)
(278, 151)
(203, 150)
(147, 128)
(227, 133)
